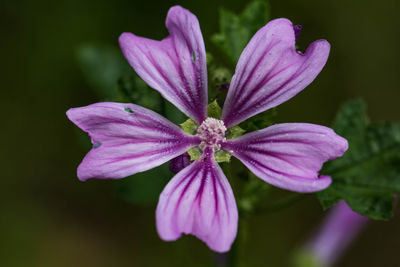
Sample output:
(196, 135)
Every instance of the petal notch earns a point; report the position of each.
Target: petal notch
(270, 71)
(176, 66)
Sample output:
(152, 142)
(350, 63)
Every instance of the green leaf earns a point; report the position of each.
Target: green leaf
(102, 65)
(236, 30)
(144, 188)
(368, 175)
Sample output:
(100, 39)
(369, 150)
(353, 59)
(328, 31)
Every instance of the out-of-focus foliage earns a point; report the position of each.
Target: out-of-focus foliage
(102, 66)
(145, 187)
(253, 193)
(236, 30)
(368, 175)
(303, 258)
(135, 90)
(260, 121)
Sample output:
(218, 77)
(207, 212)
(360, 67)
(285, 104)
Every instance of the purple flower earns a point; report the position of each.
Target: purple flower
(337, 231)
(128, 138)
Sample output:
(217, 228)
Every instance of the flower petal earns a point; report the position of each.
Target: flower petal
(176, 66)
(338, 230)
(289, 155)
(270, 71)
(199, 201)
(126, 139)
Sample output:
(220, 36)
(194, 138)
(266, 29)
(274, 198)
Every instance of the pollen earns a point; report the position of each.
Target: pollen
(212, 133)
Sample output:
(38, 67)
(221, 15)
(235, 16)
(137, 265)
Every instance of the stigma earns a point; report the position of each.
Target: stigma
(212, 133)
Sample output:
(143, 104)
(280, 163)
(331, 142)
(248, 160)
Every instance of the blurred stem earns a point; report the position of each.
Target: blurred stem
(235, 256)
(281, 204)
(221, 259)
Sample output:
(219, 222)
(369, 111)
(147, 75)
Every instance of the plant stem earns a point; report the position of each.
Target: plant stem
(235, 258)
(281, 204)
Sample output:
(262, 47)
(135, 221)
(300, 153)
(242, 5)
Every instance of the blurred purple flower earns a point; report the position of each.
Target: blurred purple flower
(337, 231)
(199, 199)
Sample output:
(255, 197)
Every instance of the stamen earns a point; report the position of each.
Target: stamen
(212, 133)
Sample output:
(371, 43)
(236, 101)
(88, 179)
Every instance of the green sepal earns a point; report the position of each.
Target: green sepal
(194, 153)
(222, 156)
(189, 126)
(214, 110)
(234, 132)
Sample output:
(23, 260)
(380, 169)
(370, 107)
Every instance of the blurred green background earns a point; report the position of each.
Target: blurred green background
(49, 218)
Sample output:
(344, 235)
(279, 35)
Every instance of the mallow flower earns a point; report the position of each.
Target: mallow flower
(198, 200)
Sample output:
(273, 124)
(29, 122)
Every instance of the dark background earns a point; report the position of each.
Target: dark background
(49, 218)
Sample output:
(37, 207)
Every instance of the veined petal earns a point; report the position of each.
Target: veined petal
(176, 66)
(289, 155)
(270, 71)
(199, 201)
(126, 139)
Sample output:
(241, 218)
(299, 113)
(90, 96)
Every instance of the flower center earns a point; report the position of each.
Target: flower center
(212, 133)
